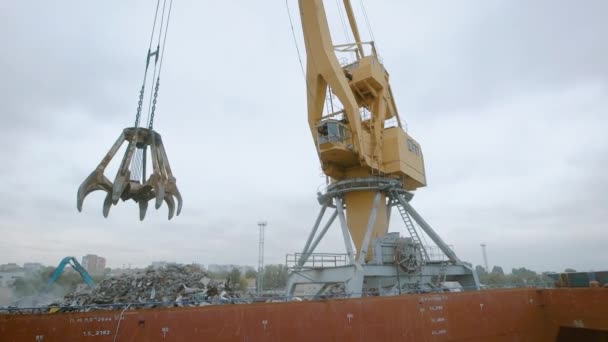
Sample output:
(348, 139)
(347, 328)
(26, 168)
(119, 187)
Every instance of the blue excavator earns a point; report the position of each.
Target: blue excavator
(69, 260)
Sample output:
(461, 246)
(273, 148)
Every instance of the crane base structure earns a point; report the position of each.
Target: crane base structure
(395, 264)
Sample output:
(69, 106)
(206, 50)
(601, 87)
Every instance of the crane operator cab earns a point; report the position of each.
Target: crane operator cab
(334, 142)
(332, 131)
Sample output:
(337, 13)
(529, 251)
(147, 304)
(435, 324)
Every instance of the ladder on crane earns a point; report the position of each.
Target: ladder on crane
(409, 225)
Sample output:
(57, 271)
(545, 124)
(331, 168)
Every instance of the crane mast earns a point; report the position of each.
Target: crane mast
(355, 140)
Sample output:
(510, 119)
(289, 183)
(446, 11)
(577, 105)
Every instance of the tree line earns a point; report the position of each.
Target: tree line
(518, 277)
(274, 278)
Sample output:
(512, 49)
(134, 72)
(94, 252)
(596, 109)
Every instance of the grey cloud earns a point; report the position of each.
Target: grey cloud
(467, 54)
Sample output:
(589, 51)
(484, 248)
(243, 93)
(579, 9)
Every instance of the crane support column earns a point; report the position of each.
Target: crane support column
(395, 264)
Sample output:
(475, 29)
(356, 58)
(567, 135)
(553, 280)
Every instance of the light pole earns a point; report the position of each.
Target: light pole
(485, 257)
(260, 278)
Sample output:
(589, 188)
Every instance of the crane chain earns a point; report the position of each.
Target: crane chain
(139, 104)
(151, 125)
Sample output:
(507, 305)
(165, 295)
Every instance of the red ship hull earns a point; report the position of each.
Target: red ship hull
(492, 315)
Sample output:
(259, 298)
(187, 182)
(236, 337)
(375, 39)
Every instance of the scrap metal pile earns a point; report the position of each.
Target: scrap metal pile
(172, 285)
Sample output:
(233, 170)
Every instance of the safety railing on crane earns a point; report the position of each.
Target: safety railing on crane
(316, 260)
(348, 52)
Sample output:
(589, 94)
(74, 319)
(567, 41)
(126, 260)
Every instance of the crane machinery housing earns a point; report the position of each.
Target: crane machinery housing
(373, 164)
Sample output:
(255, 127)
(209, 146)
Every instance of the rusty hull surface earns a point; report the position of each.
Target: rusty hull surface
(490, 315)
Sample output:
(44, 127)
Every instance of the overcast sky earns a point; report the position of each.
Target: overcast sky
(509, 100)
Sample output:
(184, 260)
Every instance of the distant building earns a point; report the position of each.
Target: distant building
(7, 278)
(94, 264)
(9, 267)
(32, 266)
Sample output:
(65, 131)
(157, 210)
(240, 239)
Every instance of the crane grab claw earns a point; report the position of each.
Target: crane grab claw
(130, 181)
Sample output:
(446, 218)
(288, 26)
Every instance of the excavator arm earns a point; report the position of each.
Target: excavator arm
(69, 260)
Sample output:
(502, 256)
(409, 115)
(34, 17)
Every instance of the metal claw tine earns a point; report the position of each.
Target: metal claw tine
(95, 181)
(159, 182)
(124, 174)
(156, 183)
(108, 157)
(162, 183)
(173, 191)
(107, 204)
(170, 205)
(163, 153)
(160, 194)
(120, 183)
(179, 201)
(143, 207)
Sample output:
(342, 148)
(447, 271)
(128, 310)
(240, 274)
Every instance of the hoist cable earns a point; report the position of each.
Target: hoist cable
(295, 41)
(312, 58)
(160, 34)
(154, 25)
(369, 26)
(151, 96)
(143, 86)
(344, 27)
(162, 55)
(137, 168)
(160, 65)
(136, 163)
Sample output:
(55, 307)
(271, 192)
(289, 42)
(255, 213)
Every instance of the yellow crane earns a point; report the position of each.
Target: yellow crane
(355, 141)
(373, 165)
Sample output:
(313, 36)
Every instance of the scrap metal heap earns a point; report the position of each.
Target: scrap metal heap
(171, 285)
(132, 181)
